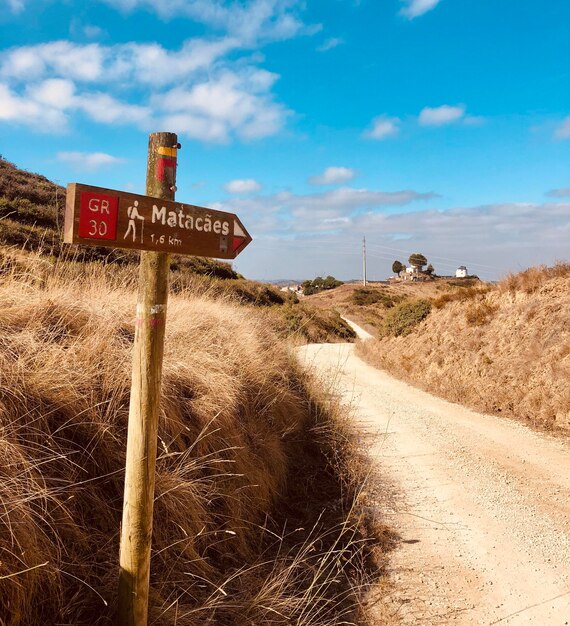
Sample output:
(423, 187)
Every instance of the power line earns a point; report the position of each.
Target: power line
(381, 254)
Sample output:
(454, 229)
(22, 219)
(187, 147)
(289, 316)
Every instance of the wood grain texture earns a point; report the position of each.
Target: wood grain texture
(136, 530)
(158, 225)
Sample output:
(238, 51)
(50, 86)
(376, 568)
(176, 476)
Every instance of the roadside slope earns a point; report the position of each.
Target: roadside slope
(482, 504)
(502, 350)
(244, 442)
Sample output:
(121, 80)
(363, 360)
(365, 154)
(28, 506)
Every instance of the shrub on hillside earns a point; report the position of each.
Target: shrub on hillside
(364, 297)
(311, 325)
(251, 292)
(403, 318)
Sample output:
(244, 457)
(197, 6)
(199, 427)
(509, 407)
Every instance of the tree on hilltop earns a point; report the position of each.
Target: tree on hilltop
(417, 260)
(397, 267)
(430, 269)
(319, 284)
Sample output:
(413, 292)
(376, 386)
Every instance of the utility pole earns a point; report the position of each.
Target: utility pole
(364, 261)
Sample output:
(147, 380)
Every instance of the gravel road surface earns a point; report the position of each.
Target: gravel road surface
(481, 503)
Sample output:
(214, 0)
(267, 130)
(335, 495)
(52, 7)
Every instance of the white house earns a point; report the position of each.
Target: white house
(461, 272)
(410, 273)
(298, 289)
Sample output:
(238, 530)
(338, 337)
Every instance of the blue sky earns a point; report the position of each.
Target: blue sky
(433, 126)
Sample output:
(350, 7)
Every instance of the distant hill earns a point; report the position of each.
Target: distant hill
(31, 218)
(284, 282)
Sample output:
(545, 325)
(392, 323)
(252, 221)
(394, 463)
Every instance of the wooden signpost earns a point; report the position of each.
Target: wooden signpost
(156, 225)
(104, 217)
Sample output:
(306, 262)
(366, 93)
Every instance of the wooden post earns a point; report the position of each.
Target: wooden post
(136, 530)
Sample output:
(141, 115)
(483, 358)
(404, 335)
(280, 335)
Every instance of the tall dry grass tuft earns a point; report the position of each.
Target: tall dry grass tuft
(502, 350)
(462, 294)
(239, 435)
(532, 279)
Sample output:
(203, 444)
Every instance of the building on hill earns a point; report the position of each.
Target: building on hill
(461, 272)
(296, 289)
(412, 273)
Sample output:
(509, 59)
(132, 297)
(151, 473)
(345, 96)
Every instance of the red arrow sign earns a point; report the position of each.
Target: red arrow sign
(104, 217)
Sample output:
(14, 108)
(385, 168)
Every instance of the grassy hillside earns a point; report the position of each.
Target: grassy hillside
(32, 211)
(501, 349)
(257, 514)
(370, 306)
(31, 221)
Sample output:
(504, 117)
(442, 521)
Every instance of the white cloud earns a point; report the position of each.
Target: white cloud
(205, 89)
(56, 59)
(329, 44)
(215, 99)
(252, 21)
(55, 92)
(151, 63)
(383, 127)
(563, 131)
(499, 238)
(246, 185)
(497, 227)
(93, 63)
(103, 108)
(231, 105)
(88, 160)
(78, 29)
(559, 193)
(92, 31)
(208, 89)
(474, 120)
(286, 213)
(440, 116)
(23, 110)
(333, 176)
(415, 8)
(16, 6)
(46, 106)
(347, 199)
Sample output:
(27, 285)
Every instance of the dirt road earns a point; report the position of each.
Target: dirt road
(482, 504)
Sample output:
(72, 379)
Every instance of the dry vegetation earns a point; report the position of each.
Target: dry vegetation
(501, 349)
(289, 317)
(370, 306)
(257, 513)
(31, 218)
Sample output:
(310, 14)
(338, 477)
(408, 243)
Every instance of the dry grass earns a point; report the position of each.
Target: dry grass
(285, 314)
(462, 294)
(480, 314)
(502, 350)
(256, 515)
(373, 307)
(32, 216)
(532, 279)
